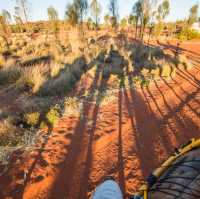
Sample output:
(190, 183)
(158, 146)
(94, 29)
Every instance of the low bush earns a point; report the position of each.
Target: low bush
(137, 80)
(52, 116)
(188, 34)
(106, 97)
(145, 83)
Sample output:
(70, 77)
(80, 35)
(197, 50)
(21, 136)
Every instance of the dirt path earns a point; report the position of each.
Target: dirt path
(127, 139)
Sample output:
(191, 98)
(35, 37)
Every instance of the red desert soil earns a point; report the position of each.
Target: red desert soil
(127, 139)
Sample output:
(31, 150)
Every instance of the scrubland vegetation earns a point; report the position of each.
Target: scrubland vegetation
(42, 64)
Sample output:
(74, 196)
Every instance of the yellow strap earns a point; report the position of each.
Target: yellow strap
(145, 194)
(159, 171)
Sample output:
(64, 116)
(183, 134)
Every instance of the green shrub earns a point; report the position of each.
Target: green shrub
(188, 34)
(145, 83)
(137, 80)
(53, 115)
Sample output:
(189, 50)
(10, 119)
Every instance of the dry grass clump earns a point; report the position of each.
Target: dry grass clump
(9, 135)
(32, 119)
(65, 80)
(29, 49)
(13, 138)
(58, 85)
(145, 56)
(155, 72)
(55, 69)
(37, 104)
(9, 74)
(183, 62)
(141, 81)
(72, 106)
(152, 61)
(166, 70)
(157, 52)
(106, 97)
(31, 79)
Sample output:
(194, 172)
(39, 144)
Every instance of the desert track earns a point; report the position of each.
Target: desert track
(126, 138)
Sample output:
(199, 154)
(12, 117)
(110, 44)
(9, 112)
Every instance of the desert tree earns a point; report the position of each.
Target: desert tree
(106, 19)
(113, 8)
(136, 11)
(150, 18)
(113, 21)
(163, 10)
(52, 13)
(143, 12)
(23, 9)
(171, 28)
(71, 14)
(4, 28)
(151, 24)
(145, 16)
(90, 24)
(193, 16)
(162, 13)
(123, 22)
(7, 16)
(82, 7)
(131, 21)
(96, 11)
(53, 18)
(18, 19)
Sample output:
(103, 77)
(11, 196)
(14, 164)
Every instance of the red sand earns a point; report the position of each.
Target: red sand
(126, 139)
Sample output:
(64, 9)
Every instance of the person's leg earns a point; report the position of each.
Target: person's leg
(109, 189)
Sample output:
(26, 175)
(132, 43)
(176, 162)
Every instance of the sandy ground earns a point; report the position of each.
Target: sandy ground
(127, 139)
